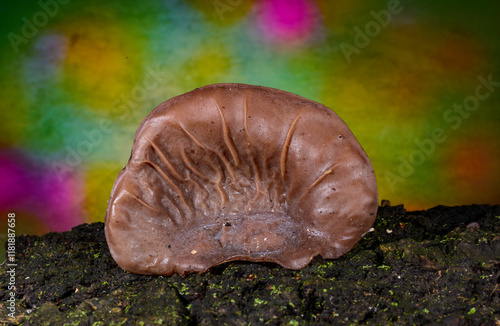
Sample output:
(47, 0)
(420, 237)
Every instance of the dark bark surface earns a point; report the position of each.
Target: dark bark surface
(439, 266)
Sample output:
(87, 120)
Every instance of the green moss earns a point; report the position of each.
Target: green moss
(276, 290)
(386, 277)
(183, 289)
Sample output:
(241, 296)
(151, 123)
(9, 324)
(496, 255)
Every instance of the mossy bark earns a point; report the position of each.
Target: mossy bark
(434, 266)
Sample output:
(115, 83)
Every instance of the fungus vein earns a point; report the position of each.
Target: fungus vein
(255, 168)
(140, 201)
(286, 145)
(165, 160)
(224, 160)
(318, 180)
(227, 136)
(165, 177)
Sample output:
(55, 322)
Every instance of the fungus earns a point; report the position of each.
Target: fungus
(239, 172)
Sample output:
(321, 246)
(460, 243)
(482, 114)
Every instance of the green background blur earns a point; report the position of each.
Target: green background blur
(416, 81)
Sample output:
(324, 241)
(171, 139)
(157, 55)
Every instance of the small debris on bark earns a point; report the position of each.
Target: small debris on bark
(435, 266)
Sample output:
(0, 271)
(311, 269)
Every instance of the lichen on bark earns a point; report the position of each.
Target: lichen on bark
(414, 267)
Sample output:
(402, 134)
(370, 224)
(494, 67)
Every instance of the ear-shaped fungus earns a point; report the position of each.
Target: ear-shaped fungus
(239, 172)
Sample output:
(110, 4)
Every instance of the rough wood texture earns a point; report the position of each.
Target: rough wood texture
(438, 266)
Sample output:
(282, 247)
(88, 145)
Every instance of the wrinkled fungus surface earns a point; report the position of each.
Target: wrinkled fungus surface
(239, 172)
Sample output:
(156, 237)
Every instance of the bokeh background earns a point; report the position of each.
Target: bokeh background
(416, 81)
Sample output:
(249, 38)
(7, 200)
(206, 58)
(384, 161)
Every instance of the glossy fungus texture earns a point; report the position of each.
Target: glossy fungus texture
(239, 172)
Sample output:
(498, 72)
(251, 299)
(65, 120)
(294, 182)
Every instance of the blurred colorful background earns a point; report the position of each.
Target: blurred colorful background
(418, 83)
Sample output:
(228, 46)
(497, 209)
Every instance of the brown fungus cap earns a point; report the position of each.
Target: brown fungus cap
(239, 172)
